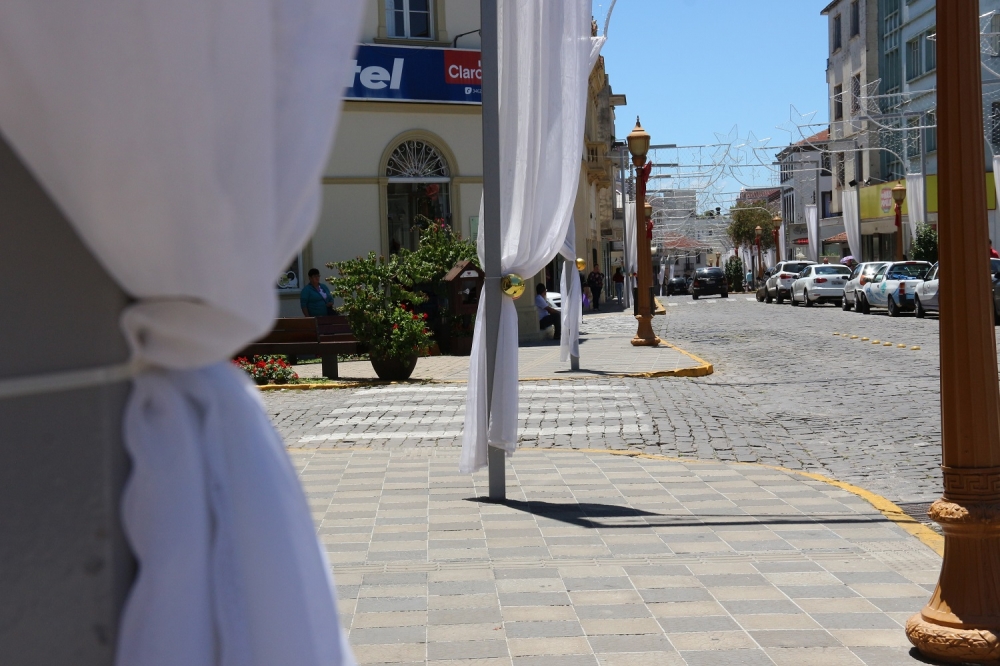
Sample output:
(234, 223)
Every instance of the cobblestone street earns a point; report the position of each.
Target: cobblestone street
(786, 392)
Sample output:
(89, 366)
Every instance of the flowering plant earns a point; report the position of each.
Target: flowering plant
(266, 368)
(379, 296)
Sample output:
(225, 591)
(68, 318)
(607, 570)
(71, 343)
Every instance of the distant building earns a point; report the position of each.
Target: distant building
(806, 179)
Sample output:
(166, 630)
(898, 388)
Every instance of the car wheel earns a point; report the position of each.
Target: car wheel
(805, 298)
(844, 305)
(767, 297)
(791, 297)
(725, 294)
(893, 308)
(694, 297)
(996, 316)
(866, 307)
(778, 298)
(921, 313)
(839, 303)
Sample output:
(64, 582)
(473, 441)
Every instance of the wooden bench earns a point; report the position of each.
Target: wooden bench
(308, 336)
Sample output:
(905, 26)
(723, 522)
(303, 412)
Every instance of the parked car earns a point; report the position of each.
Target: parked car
(677, 285)
(866, 269)
(779, 283)
(893, 287)
(925, 297)
(555, 298)
(708, 281)
(820, 283)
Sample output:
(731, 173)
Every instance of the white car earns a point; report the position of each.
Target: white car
(555, 298)
(925, 297)
(820, 283)
(779, 284)
(867, 270)
(893, 287)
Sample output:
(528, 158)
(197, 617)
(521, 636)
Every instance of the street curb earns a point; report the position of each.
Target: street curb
(703, 369)
(887, 508)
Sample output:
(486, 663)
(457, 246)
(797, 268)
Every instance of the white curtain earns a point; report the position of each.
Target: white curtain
(996, 178)
(916, 210)
(185, 141)
(812, 228)
(631, 264)
(546, 56)
(782, 250)
(852, 222)
(572, 298)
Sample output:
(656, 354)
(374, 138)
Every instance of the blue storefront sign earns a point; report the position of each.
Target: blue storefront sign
(415, 74)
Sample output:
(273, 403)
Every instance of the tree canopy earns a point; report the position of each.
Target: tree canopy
(746, 217)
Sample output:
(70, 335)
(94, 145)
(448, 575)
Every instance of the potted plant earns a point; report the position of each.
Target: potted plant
(378, 299)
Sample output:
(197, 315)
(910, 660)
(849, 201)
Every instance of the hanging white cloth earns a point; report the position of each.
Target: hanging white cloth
(916, 210)
(185, 142)
(782, 250)
(631, 264)
(572, 298)
(546, 56)
(852, 222)
(812, 228)
(996, 178)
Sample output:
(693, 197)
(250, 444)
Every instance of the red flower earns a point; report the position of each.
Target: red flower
(395, 326)
(425, 316)
(416, 317)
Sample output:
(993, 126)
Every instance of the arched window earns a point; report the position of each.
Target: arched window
(418, 192)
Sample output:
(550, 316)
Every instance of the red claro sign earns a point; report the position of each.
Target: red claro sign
(887, 202)
(463, 67)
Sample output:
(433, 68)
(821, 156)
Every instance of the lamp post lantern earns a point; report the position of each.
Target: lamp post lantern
(638, 145)
(961, 622)
(899, 196)
(760, 264)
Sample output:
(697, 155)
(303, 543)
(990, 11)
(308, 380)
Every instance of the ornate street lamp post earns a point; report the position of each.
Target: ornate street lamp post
(961, 622)
(638, 145)
(760, 264)
(899, 196)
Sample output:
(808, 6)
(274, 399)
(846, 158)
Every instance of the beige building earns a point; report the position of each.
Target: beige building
(409, 144)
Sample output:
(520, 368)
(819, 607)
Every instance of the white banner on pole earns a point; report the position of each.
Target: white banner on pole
(812, 227)
(852, 222)
(915, 205)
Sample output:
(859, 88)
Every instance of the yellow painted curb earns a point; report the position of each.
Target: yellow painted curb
(879, 342)
(703, 369)
(891, 511)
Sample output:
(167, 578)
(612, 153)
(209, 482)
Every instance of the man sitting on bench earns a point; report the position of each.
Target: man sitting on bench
(547, 315)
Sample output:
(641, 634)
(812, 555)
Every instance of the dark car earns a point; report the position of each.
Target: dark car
(709, 281)
(677, 285)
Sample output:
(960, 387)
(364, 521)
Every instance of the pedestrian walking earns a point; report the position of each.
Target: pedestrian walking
(619, 279)
(596, 283)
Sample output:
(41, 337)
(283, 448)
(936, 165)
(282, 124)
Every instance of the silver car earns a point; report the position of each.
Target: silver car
(853, 286)
(925, 298)
(779, 285)
(820, 283)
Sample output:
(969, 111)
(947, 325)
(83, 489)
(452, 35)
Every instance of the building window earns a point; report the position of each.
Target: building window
(855, 95)
(994, 36)
(838, 32)
(930, 50)
(891, 56)
(291, 278)
(826, 209)
(841, 171)
(913, 142)
(914, 62)
(930, 133)
(855, 19)
(838, 102)
(410, 19)
(995, 127)
(418, 193)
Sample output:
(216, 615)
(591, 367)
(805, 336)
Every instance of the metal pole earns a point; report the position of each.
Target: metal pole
(491, 223)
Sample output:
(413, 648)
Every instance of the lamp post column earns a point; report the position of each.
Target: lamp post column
(899, 196)
(961, 622)
(638, 145)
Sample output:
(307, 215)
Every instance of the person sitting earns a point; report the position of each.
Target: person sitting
(547, 315)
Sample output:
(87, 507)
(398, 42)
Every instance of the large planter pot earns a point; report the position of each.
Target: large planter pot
(394, 369)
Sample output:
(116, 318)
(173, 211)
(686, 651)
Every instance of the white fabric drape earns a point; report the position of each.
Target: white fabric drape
(996, 178)
(572, 298)
(782, 250)
(852, 222)
(631, 263)
(185, 142)
(916, 210)
(812, 228)
(546, 56)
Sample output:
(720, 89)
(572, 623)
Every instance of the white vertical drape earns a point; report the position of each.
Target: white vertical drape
(546, 56)
(812, 228)
(631, 264)
(996, 180)
(915, 205)
(852, 222)
(185, 142)
(782, 250)
(572, 298)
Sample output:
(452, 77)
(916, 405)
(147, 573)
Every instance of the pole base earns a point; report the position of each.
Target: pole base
(948, 644)
(961, 622)
(644, 336)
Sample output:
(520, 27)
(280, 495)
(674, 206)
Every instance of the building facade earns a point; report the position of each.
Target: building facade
(806, 179)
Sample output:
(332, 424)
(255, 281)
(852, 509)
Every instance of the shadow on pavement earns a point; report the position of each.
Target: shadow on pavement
(587, 514)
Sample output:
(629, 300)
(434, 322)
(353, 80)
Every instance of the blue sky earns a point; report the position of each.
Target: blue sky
(708, 65)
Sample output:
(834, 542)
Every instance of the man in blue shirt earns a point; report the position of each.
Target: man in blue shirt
(315, 297)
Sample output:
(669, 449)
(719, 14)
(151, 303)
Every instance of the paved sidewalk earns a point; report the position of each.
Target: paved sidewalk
(601, 354)
(610, 560)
